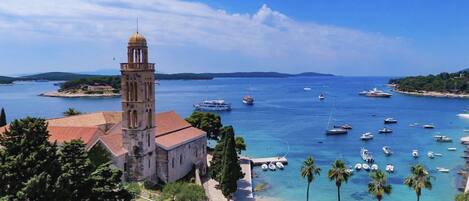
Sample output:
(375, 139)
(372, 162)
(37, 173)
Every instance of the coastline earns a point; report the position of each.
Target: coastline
(76, 95)
(432, 94)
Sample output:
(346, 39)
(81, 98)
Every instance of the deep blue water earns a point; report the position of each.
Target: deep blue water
(287, 120)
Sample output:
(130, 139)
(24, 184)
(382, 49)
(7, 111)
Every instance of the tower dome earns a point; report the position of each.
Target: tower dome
(137, 40)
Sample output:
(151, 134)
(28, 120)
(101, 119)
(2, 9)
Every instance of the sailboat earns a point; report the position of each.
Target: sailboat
(334, 131)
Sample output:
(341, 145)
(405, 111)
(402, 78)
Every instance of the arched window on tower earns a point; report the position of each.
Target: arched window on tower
(134, 91)
(129, 119)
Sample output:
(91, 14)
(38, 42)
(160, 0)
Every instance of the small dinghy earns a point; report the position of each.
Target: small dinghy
(264, 167)
(387, 150)
(366, 167)
(279, 165)
(358, 166)
(374, 167)
(272, 167)
(415, 153)
(431, 155)
(452, 149)
(349, 170)
(389, 168)
(307, 89)
(443, 170)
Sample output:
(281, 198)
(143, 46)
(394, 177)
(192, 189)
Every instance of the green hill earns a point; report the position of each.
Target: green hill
(55, 76)
(443, 82)
(6, 80)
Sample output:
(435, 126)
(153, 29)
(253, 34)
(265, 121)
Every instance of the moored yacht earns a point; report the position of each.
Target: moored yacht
(387, 150)
(366, 155)
(415, 153)
(213, 105)
(389, 168)
(431, 155)
(322, 97)
(358, 166)
(390, 120)
(378, 93)
(366, 136)
(429, 126)
(336, 131)
(442, 138)
(385, 130)
(248, 100)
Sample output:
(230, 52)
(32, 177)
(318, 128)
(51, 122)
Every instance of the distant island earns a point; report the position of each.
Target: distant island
(86, 85)
(452, 85)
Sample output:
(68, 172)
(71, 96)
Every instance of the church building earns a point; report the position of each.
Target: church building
(145, 145)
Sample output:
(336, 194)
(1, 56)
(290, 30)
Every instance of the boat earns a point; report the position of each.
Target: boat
(279, 165)
(366, 155)
(366, 167)
(374, 167)
(415, 153)
(377, 93)
(442, 138)
(452, 149)
(466, 130)
(389, 168)
(362, 93)
(385, 130)
(336, 131)
(248, 100)
(366, 136)
(428, 126)
(358, 166)
(264, 167)
(437, 154)
(431, 155)
(349, 170)
(390, 120)
(346, 126)
(387, 150)
(443, 170)
(272, 167)
(307, 88)
(322, 97)
(213, 105)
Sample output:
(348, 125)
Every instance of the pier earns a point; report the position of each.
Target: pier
(260, 161)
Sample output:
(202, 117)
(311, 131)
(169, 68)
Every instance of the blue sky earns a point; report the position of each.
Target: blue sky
(365, 37)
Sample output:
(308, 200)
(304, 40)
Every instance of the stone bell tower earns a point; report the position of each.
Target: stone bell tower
(138, 107)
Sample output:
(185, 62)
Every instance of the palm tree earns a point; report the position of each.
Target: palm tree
(378, 185)
(308, 170)
(418, 179)
(462, 197)
(71, 112)
(339, 174)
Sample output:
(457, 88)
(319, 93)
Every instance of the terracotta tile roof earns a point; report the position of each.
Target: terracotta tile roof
(65, 134)
(167, 122)
(114, 143)
(174, 139)
(86, 120)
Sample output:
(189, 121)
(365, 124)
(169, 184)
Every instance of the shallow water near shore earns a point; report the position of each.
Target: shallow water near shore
(285, 119)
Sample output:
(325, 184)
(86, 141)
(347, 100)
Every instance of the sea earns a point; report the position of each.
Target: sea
(288, 121)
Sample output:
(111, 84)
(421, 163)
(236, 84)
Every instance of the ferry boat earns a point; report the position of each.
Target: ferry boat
(248, 100)
(366, 136)
(366, 155)
(376, 93)
(213, 105)
(387, 150)
(390, 120)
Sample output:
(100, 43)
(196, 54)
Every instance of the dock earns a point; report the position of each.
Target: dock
(260, 161)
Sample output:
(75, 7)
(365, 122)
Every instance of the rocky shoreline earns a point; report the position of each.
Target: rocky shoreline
(76, 95)
(432, 94)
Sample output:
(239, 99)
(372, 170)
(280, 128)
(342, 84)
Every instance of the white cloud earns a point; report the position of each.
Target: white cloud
(267, 35)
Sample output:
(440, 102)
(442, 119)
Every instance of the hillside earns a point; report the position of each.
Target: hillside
(456, 83)
(6, 80)
(264, 74)
(55, 76)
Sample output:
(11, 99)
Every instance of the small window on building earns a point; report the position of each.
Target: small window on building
(149, 162)
(196, 153)
(125, 167)
(180, 159)
(148, 139)
(172, 162)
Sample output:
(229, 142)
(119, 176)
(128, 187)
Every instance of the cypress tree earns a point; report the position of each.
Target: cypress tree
(3, 118)
(216, 162)
(231, 169)
(27, 159)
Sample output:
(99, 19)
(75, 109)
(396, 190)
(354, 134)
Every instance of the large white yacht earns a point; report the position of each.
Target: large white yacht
(376, 93)
(213, 105)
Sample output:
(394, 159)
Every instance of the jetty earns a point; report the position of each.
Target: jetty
(260, 161)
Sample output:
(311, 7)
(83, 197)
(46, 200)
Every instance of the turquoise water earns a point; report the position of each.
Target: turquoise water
(287, 120)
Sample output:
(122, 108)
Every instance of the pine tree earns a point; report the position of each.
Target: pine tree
(231, 169)
(76, 169)
(3, 118)
(107, 185)
(27, 158)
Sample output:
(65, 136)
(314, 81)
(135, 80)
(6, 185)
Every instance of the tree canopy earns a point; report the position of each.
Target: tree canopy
(443, 82)
(208, 122)
(3, 118)
(230, 168)
(182, 192)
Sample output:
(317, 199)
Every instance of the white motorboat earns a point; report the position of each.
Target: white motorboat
(377, 93)
(385, 130)
(428, 126)
(415, 153)
(390, 120)
(374, 167)
(362, 93)
(452, 149)
(279, 165)
(349, 170)
(322, 97)
(264, 167)
(466, 130)
(431, 155)
(366, 156)
(307, 88)
(437, 154)
(213, 105)
(366, 167)
(367, 136)
(272, 166)
(389, 168)
(442, 138)
(248, 100)
(346, 126)
(336, 131)
(443, 170)
(387, 150)
(358, 166)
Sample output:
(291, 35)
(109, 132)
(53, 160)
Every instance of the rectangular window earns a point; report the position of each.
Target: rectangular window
(172, 162)
(180, 159)
(149, 163)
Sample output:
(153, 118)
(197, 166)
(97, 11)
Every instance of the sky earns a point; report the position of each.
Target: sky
(352, 38)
